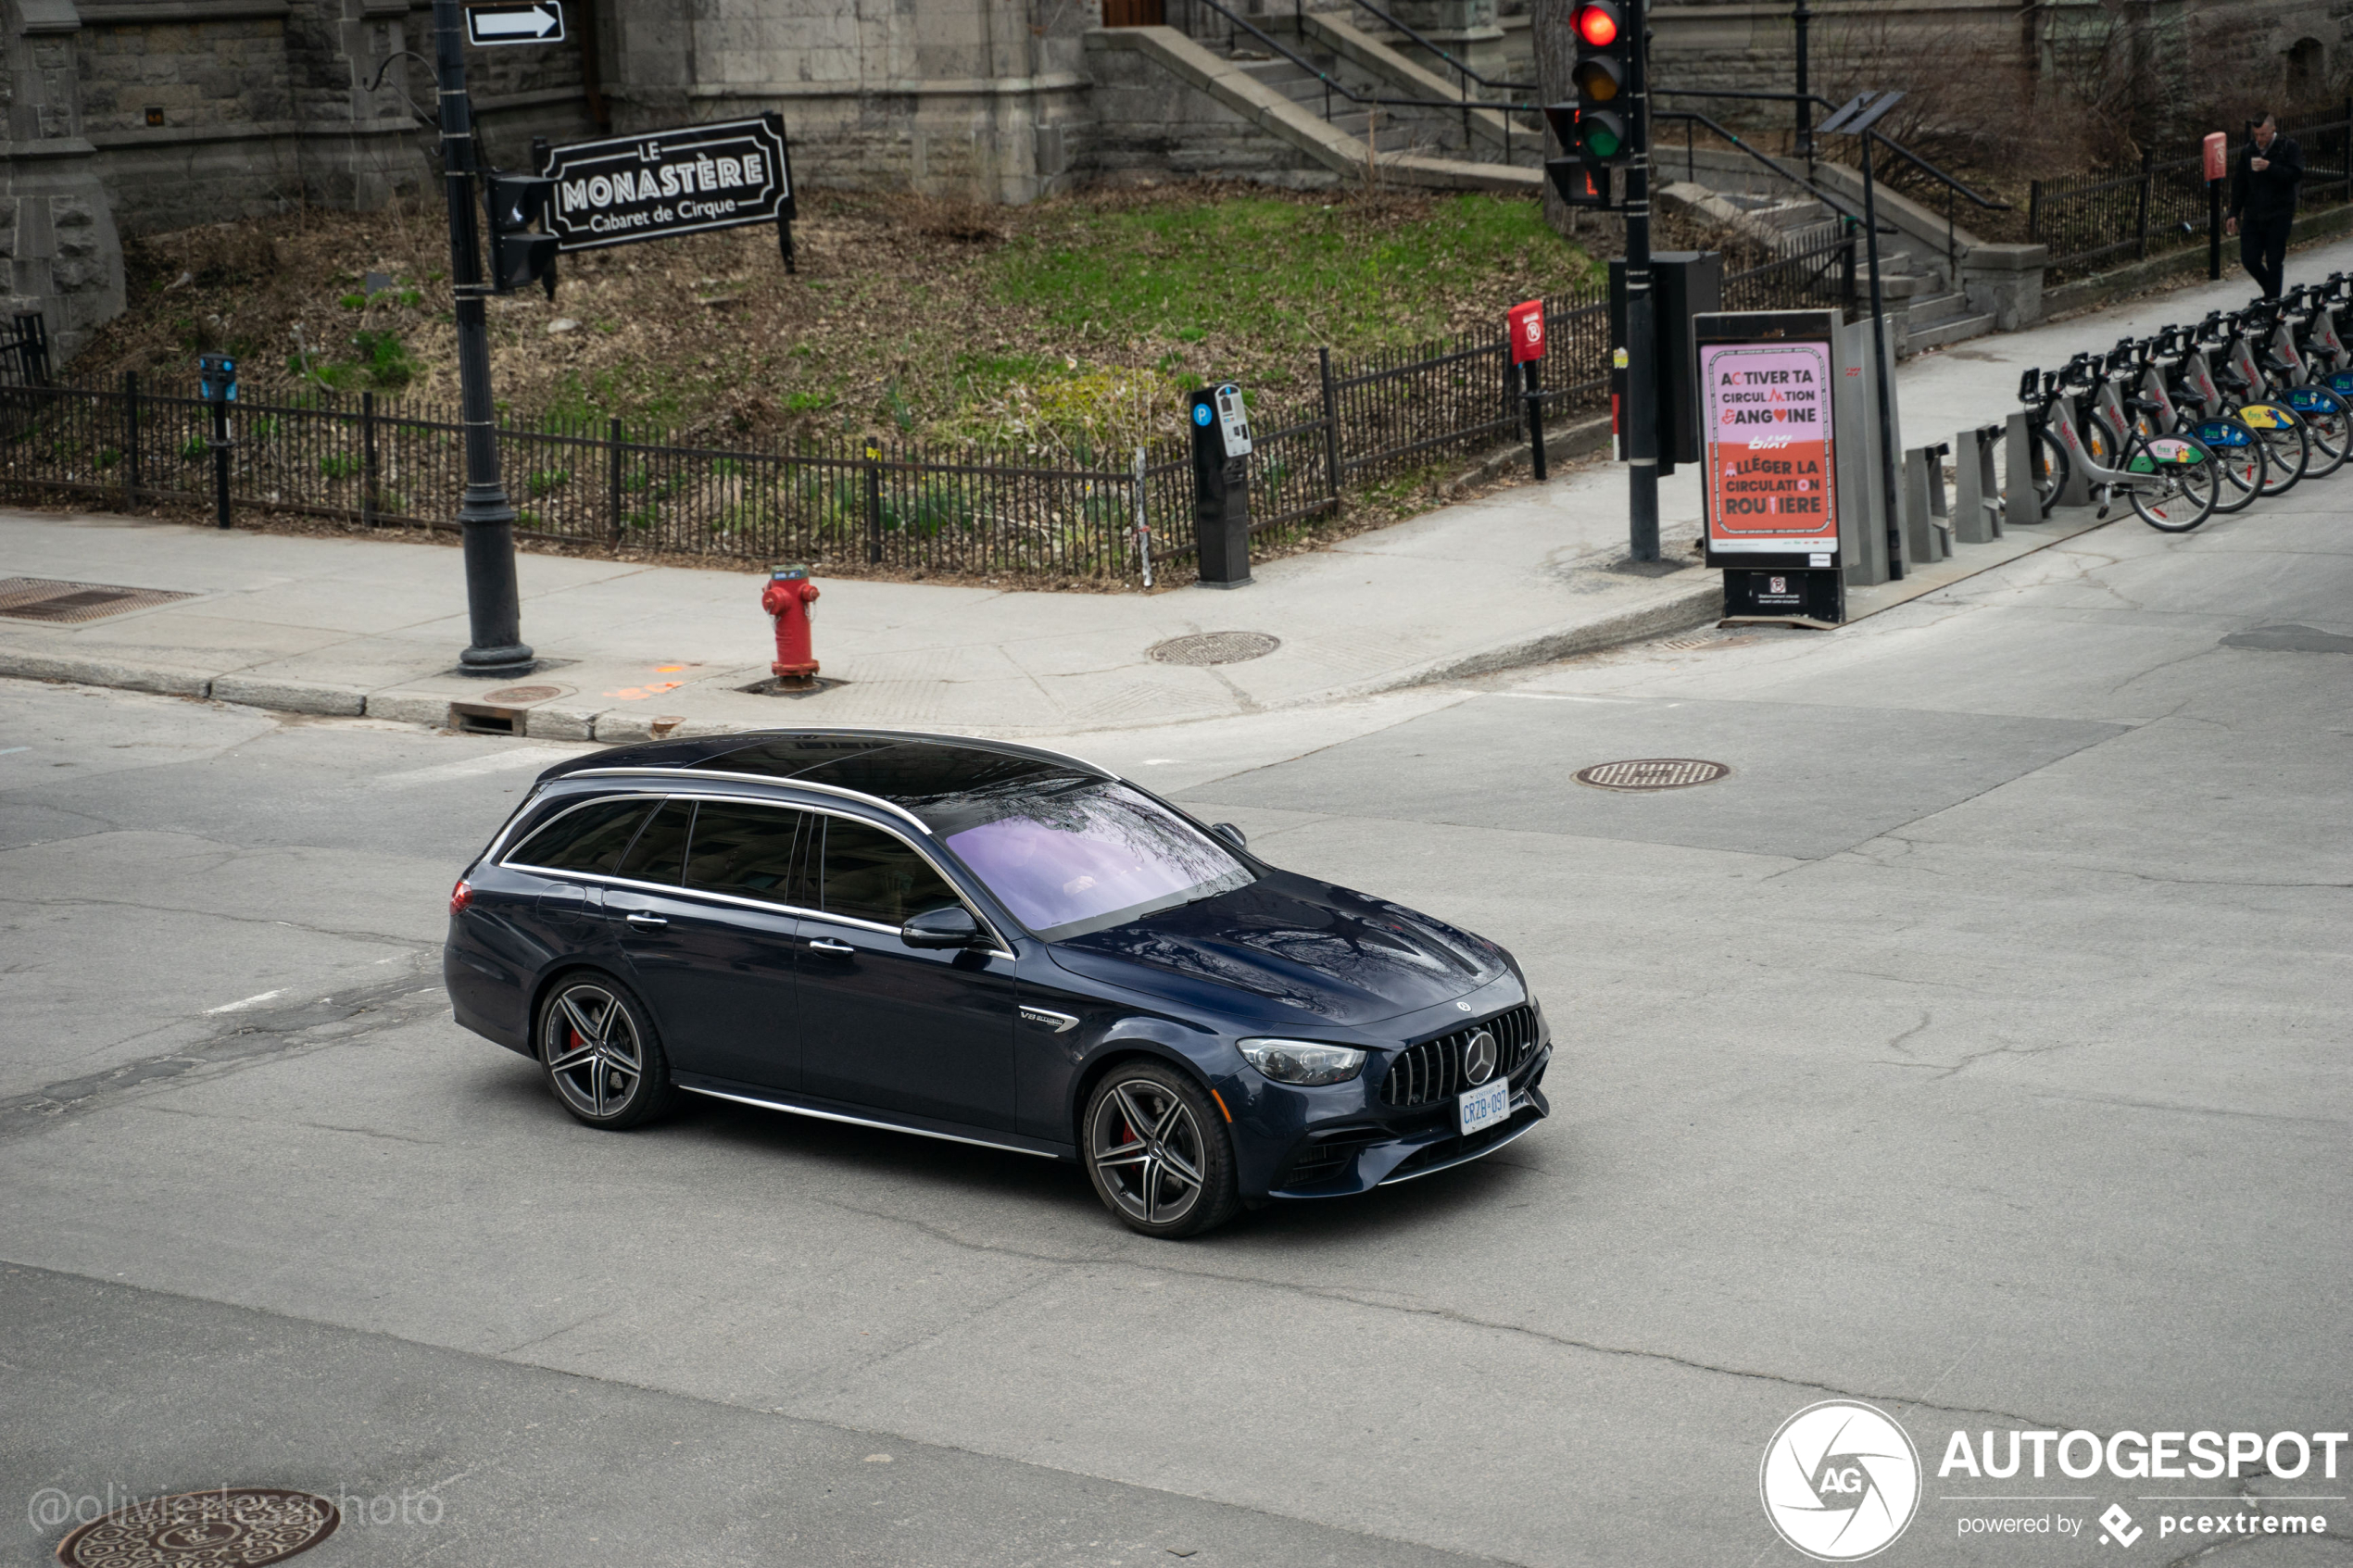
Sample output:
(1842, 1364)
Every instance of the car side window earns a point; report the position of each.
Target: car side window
(588, 838)
(659, 853)
(870, 874)
(746, 850)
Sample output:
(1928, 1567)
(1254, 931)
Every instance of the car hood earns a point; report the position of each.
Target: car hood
(1307, 946)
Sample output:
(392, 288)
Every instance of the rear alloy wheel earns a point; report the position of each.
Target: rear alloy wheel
(1157, 1153)
(600, 1054)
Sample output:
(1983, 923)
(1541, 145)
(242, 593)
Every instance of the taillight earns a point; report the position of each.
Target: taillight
(460, 895)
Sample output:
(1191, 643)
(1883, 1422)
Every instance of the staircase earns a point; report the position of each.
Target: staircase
(1915, 282)
(1284, 136)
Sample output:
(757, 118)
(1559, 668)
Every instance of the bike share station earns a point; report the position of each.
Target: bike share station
(1795, 485)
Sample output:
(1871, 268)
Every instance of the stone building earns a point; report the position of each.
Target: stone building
(131, 116)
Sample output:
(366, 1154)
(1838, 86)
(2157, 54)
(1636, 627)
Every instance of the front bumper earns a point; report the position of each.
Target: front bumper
(1336, 1161)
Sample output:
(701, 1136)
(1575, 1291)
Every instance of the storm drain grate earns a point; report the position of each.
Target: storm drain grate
(1693, 645)
(1652, 772)
(243, 1526)
(1215, 648)
(43, 599)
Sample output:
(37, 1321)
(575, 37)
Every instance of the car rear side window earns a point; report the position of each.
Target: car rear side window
(586, 838)
(874, 875)
(659, 853)
(746, 850)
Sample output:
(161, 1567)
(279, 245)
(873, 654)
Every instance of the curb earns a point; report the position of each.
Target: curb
(1699, 603)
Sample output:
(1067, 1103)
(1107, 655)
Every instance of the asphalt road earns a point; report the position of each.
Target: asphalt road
(1976, 1048)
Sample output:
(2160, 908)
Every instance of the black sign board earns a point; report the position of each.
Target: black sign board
(665, 184)
(539, 23)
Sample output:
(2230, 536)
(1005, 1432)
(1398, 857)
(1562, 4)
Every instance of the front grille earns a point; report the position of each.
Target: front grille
(1432, 1071)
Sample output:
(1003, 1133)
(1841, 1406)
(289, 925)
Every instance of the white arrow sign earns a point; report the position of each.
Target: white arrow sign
(541, 23)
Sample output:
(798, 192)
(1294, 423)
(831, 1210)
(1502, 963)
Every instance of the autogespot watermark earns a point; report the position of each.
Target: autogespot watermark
(1843, 1481)
(54, 1507)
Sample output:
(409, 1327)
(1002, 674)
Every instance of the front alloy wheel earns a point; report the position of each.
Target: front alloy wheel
(1158, 1152)
(600, 1054)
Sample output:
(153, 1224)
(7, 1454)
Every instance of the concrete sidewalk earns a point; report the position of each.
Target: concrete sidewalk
(353, 626)
(371, 626)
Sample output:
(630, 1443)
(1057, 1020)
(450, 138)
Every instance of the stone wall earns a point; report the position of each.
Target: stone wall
(60, 254)
(970, 97)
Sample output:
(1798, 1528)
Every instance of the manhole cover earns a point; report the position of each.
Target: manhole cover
(515, 696)
(1215, 648)
(1652, 772)
(43, 599)
(240, 1525)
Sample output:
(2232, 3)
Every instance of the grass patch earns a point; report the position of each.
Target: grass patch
(1290, 276)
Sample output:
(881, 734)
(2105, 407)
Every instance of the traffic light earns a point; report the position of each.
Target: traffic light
(1603, 78)
(1579, 183)
(518, 257)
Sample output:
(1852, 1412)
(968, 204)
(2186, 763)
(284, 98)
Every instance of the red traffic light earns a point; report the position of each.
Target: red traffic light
(1597, 24)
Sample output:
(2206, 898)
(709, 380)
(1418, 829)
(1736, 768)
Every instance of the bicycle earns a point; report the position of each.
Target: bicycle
(2171, 481)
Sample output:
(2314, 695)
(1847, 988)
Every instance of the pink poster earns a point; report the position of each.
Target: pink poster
(1768, 476)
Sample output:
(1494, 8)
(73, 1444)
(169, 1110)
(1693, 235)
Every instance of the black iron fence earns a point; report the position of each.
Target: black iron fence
(891, 505)
(2107, 218)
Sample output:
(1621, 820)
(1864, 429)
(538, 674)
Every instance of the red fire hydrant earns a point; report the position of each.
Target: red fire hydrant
(789, 596)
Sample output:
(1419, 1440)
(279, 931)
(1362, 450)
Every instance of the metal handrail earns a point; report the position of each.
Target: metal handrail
(1989, 204)
(1466, 71)
(1332, 84)
(1819, 194)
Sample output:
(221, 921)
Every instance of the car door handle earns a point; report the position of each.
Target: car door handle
(640, 919)
(824, 945)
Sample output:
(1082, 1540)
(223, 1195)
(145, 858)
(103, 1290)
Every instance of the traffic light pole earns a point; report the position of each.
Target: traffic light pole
(494, 607)
(1882, 374)
(1642, 331)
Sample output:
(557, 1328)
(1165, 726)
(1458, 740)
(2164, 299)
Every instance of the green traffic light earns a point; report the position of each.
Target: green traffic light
(1601, 141)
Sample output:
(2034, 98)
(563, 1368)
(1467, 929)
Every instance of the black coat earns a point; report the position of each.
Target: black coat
(2257, 195)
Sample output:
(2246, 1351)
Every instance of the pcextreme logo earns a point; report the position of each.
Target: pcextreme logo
(1840, 1481)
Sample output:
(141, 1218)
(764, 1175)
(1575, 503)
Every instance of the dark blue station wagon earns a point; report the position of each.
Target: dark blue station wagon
(991, 943)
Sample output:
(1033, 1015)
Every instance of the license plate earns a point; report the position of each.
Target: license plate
(1485, 1106)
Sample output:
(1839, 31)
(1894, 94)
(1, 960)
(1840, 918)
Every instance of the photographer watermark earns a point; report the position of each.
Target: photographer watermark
(248, 1526)
(1841, 1481)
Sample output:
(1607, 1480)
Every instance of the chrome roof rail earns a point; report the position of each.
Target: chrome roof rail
(676, 774)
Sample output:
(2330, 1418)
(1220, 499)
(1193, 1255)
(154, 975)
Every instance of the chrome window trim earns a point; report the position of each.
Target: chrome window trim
(676, 775)
(1003, 949)
(866, 1122)
(493, 852)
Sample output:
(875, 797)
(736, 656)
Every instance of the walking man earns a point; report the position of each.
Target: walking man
(2263, 202)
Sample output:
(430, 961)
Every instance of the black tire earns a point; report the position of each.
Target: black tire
(2242, 468)
(1158, 1151)
(2100, 444)
(2052, 467)
(2287, 451)
(596, 1042)
(2188, 497)
(2331, 435)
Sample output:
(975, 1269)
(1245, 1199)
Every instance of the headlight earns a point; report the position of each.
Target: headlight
(1302, 1061)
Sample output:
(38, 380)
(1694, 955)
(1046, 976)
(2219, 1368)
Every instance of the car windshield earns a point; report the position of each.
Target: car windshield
(1090, 857)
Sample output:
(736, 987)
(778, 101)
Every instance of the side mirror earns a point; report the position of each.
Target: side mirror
(1231, 834)
(950, 927)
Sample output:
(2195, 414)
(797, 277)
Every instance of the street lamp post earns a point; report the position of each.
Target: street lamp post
(493, 607)
(1804, 17)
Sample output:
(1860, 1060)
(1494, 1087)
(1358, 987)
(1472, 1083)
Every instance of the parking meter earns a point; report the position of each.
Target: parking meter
(217, 383)
(1221, 485)
(216, 378)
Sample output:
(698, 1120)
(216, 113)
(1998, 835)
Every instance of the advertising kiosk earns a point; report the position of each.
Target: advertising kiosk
(1780, 436)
